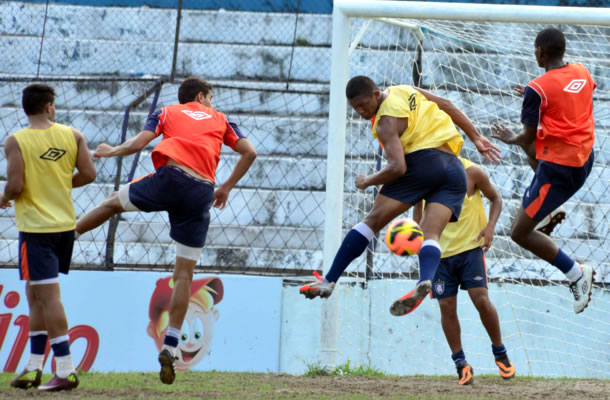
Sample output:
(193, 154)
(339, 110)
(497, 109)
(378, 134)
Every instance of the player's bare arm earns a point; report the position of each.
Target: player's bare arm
(84, 163)
(130, 146)
(481, 181)
(248, 154)
(15, 172)
(490, 151)
(389, 130)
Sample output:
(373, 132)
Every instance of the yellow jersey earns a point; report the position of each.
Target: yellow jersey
(45, 204)
(428, 126)
(461, 236)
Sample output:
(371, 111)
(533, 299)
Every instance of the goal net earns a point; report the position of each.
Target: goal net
(477, 65)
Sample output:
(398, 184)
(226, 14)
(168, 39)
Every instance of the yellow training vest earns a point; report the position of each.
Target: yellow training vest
(428, 127)
(461, 236)
(49, 155)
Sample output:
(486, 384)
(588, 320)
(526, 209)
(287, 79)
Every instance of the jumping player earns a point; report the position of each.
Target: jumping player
(40, 176)
(561, 101)
(421, 142)
(463, 265)
(183, 185)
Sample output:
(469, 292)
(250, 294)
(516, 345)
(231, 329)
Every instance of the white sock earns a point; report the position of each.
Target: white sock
(64, 365)
(172, 350)
(574, 273)
(35, 362)
(364, 230)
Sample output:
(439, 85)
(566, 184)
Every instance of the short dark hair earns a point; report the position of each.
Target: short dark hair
(191, 87)
(35, 97)
(552, 41)
(360, 86)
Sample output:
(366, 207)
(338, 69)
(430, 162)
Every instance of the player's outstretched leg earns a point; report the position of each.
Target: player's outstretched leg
(579, 276)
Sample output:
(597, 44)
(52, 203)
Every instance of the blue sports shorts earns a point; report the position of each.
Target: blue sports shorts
(432, 175)
(42, 256)
(552, 186)
(466, 270)
(186, 199)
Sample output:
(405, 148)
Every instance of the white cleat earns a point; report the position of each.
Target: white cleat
(581, 289)
(548, 224)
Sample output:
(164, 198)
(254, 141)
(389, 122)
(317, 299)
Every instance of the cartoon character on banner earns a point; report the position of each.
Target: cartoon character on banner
(198, 327)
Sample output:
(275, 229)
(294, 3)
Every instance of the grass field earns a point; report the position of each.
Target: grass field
(365, 385)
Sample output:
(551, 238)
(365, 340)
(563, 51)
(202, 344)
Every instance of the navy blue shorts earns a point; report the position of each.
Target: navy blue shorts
(42, 256)
(186, 199)
(465, 270)
(552, 186)
(432, 175)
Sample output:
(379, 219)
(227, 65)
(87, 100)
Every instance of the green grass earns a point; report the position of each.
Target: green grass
(345, 382)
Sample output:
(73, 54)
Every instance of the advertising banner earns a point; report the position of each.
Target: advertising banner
(117, 321)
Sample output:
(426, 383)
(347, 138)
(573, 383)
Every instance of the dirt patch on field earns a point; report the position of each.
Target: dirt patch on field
(215, 385)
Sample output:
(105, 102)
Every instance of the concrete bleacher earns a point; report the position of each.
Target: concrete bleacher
(275, 217)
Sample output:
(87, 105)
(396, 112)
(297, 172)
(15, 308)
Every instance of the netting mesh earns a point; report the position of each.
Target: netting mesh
(477, 65)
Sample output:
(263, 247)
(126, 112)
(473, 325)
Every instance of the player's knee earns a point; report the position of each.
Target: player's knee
(516, 235)
(482, 304)
(113, 202)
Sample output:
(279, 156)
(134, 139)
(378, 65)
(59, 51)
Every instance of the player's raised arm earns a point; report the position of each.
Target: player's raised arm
(490, 151)
(128, 147)
(482, 182)
(240, 144)
(389, 130)
(15, 172)
(84, 164)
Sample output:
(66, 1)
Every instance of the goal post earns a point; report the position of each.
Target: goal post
(382, 39)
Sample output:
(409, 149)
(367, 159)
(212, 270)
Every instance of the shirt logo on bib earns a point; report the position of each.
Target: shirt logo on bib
(197, 115)
(53, 154)
(575, 86)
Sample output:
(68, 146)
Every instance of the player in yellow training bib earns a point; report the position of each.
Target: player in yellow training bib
(417, 132)
(463, 265)
(40, 176)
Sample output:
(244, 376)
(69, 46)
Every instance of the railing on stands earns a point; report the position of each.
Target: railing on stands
(114, 222)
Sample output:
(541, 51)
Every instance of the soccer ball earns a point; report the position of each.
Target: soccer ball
(404, 237)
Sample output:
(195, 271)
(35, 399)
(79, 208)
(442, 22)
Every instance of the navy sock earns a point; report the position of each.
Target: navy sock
(171, 341)
(38, 343)
(429, 258)
(459, 358)
(61, 349)
(353, 245)
(563, 262)
(498, 351)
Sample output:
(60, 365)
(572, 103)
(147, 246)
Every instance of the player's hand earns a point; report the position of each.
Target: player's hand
(488, 235)
(221, 195)
(361, 182)
(5, 204)
(503, 134)
(519, 89)
(490, 151)
(103, 150)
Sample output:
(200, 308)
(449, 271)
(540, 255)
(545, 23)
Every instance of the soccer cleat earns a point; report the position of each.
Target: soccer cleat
(27, 379)
(548, 224)
(507, 369)
(411, 300)
(168, 372)
(320, 288)
(581, 289)
(465, 374)
(56, 383)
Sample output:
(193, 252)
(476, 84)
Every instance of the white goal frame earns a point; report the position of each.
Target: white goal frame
(343, 11)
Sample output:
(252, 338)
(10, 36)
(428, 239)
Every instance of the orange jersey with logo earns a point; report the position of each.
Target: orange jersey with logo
(567, 128)
(193, 135)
